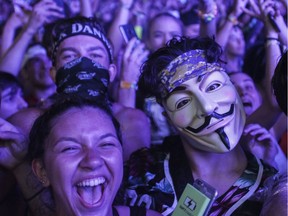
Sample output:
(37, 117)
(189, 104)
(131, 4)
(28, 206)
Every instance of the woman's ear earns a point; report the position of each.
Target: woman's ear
(112, 72)
(53, 73)
(40, 172)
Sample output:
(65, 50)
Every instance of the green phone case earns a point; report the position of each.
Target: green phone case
(192, 203)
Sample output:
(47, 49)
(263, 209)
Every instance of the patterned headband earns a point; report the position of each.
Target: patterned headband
(81, 29)
(186, 66)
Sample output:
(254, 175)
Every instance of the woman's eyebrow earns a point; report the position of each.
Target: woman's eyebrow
(108, 135)
(63, 139)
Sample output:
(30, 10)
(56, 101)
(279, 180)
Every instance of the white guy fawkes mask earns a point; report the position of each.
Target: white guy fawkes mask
(204, 106)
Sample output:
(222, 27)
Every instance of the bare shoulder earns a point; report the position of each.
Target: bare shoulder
(123, 113)
(135, 128)
(25, 118)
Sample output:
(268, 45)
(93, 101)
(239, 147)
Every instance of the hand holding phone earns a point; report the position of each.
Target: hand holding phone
(128, 32)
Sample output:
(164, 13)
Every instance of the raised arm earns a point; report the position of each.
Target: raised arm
(86, 9)
(134, 55)
(12, 59)
(14, 144)
(208, 16)
(269, 111)
(121, 18)
(231, 20)
(9, 31)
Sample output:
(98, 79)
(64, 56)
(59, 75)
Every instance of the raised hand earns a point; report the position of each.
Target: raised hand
(13, 145)
(261, 143)
(134, 55)
(46, 11)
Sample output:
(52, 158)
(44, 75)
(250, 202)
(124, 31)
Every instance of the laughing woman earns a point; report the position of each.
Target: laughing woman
(76, 150)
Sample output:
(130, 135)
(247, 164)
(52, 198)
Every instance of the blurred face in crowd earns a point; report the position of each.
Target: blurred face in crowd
(208, 110)
(192, 30)
(248, 92)
(162, 30)
(84, 46)
(82, 162)
(37, 71)
(236, 43)
(11, 101)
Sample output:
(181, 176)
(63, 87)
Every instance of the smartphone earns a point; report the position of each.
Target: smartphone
(196, 199)
(128, 32)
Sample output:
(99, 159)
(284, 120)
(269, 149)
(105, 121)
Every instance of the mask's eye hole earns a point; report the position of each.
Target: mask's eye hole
(213, 87)
(182, 103)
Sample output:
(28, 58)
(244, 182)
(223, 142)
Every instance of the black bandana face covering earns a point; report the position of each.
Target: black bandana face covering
(85, 78)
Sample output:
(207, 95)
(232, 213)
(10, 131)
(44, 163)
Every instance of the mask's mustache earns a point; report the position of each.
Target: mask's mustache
(208, 119)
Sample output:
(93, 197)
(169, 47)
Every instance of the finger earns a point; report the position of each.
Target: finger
(267, 5)
(249, 12)
(54, 14)
(258, 131)
(22, 5)
(129, 48)
(48, 6)
(137, 51)
(143, 56)
(254, 6)
(10, 136)
(267, 136)
(6, 126)
(264, 137)
(250, 127)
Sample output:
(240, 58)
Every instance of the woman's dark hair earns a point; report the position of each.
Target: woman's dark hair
(42, 126)
(279, 83)
(149, 82)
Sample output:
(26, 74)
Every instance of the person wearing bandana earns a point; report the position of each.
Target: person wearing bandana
(82, 59)
(188, 80)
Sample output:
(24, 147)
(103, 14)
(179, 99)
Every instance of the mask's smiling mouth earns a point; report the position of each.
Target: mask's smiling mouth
(227, 116)
(91, 190)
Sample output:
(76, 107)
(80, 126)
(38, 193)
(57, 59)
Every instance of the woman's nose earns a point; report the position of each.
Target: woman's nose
(91, 160)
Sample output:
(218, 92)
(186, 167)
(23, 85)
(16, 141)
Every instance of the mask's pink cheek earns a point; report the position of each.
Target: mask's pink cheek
(226, 95)
(182, 118)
